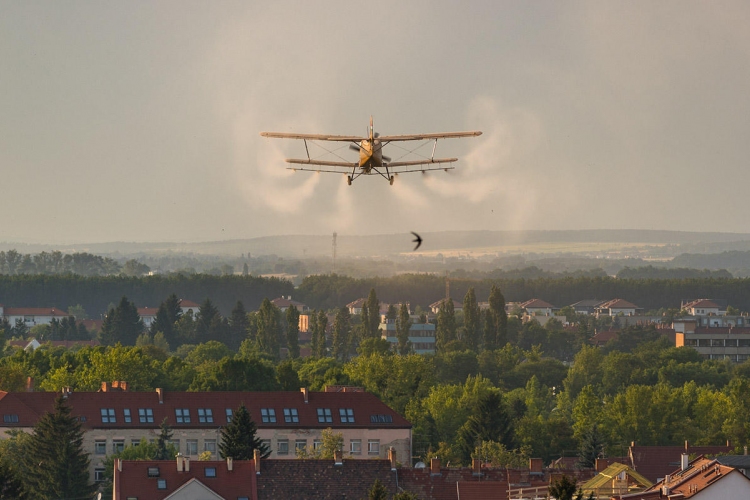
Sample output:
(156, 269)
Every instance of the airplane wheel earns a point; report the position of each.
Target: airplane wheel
(392, 177)
(349, 180)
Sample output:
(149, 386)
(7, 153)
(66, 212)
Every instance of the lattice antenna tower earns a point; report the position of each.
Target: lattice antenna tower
(333, 245)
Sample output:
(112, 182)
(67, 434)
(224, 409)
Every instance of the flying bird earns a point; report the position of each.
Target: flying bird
(417, 240)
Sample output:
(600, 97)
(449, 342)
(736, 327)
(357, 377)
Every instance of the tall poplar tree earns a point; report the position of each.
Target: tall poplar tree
(268, 318)
(238, 326)
(322, 327)
(57, 465)
(341, 333)
(314, 334)
(292, 331)
(500, 317)
(239, 439)
(471, 320)
(373, 315)
(446, 324)
(403, 326)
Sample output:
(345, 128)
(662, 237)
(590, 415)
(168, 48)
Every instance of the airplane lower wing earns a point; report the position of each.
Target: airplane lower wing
(396, 164)
(338, 164)
(314, 137)
(423, 137)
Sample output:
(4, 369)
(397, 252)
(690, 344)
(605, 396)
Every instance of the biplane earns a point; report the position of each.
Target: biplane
(371, 161)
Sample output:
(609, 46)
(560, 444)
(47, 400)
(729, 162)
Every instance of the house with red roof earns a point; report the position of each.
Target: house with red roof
(655, 462)
(184, 479)
(535, 307)
(32, 316)
(700, 479)
(616, 307)
(285, 303)
(114, 417)
(702, 307)
(435, 306)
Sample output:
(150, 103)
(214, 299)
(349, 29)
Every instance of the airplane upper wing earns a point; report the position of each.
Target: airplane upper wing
(396, 164)
(314, 137)
(422, 137)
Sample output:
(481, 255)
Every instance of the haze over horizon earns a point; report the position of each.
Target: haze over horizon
(140, 122)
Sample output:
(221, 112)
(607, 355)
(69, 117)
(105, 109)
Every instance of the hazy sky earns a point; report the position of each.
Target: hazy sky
(139, 121)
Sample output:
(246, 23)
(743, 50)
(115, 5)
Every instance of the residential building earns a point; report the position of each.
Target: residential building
(587, 306)
(34, 344)
(32, 316)
(655, 462)
(615, 479)
(421, 335)
(435, 306)
(285, 303)
(537, 307)
(184, 479)
(114, 418)
(700, 479)
(713, 342)
(702, 307)
(617, 307)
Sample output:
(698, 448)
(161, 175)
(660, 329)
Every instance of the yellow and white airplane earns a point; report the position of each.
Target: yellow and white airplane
(372, 161)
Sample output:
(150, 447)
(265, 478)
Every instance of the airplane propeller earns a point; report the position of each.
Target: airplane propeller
(354, 148)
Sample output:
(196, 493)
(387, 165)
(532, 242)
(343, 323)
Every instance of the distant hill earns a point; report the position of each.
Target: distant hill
(666, 244)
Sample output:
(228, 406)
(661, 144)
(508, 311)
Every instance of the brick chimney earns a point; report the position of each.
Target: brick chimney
(338, 457)
(601, 464)
(684, 461)
(535, 465)
(160, 392)
(687, 445)
(179, 462)
(106, 387)
(435, 466)
(30, 384)
(392, 457)
(306, 393)
(230, 464)
(476, 466)
(186, 461)
(256, 460)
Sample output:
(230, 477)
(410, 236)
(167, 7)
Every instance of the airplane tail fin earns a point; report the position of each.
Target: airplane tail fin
(372, 130)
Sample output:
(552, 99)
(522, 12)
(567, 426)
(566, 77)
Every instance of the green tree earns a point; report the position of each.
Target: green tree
(121, 324)
(11, 484)
(236, 374)
(341, 334)
(239, 439)
(134, 268)
(446, 325)
(322, 327)
(490, 422)
(292, 332)
(314, 334)
(591, 448)
(372, 320)
(496, 334)
(471, 320)
(164, 448)
(378, 491)
(208, 323)
(57, 465)
(238, 326)
(564, 488)
(268, 319)
(403, 326)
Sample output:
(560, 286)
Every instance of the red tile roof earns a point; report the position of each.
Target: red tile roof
(356, 304)
(456, 304)
(35, 311)
(189, 303)
(134, 480)
(655, 462)
(282, 302)
(536, 304)
(617, 304)
(31, 405)
(705, 303)
(700, 474)
(147, 311)
(322, 479)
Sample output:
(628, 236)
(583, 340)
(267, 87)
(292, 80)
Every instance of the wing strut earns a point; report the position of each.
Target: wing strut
(433, 150)
(308, 151)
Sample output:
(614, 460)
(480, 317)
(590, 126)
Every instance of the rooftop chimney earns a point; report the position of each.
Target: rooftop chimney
(105, 387)
(435, 466)
(179, 462)
(338, 457)
(684, 461)
(535, 465)
(160, 392)
(30, 384)
(306, 393)
(119, 464)
(186, 461)
(230, 464)
(256, 460)
(601, 464)
(476, 466)
(66, 392)
(392, 457)
(687, 445)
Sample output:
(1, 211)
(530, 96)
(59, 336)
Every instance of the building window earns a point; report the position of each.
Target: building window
(282, 447)
(325, 416)
(717, 342)
(355, 446)
(205, 415)
(100, 447)
(691, 342)
(153, 472)
(191, 447)
(146, 415)
(265, 444)
(182, 415)
(10, 419)
(347, 415)
(381, 419)
(268, 415)
(209, 445)
(118, 445)
(161, 484)
(291, 416)
(300, 445)
(229, 414)
(126, 415)
(373, 447)
(175, 443)
(730, 343)
(135, 442)
(108, 416)
(99, 474)
(317, 444)
(210, 471)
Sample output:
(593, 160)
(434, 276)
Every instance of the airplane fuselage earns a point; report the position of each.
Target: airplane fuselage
(370, 155)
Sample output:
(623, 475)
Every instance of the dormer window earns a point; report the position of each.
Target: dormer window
(108, 415)
(182, 415)
(229, 415)
(325, 416)
(381, 419)
(10, 419)
(346, 415)
(291, 416)
(126, 415)
(268, 415)
(145, 415)
(205, 415)
(153, 472)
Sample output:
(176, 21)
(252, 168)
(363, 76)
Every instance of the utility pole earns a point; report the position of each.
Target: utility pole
(334, 252)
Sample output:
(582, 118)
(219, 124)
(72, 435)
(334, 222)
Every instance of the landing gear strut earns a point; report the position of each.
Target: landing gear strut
(349, 180)
(391, 180)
